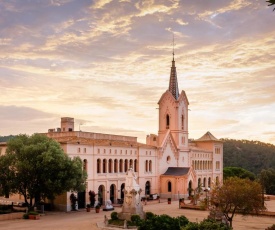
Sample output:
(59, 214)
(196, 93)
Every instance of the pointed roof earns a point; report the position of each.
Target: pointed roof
(176, 171)
(208, 137)
(173, 83)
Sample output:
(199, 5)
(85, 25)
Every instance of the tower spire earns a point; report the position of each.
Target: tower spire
(173, 83)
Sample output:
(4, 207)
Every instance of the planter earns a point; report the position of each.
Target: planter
(34, 217)
(97, 210)
(88, 209)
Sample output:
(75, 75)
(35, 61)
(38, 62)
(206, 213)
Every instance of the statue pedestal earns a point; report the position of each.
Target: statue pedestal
(132, 201)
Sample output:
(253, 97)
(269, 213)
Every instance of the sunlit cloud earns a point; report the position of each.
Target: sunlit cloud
(108, 63)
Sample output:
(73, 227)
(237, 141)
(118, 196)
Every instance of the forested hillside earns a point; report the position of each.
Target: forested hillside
(5, 138)
(250, 155)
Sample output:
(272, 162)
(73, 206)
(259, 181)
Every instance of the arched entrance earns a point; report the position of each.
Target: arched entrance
(122, 191)
(81, 200)
(101, 194)
(112, 193)
(190, 188)
(147, 188)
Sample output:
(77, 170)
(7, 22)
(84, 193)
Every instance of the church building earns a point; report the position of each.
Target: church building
(169, 164)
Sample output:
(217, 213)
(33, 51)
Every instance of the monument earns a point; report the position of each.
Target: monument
(132, 201)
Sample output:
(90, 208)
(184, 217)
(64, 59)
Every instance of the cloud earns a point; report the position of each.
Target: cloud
(109, 62)
(15, 113)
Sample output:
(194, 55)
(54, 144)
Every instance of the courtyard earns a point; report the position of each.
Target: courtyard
(88, 220)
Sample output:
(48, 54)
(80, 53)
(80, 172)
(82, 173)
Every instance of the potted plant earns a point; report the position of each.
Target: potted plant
(33, 215)
(88, 207)
(169, 200)
(97, 208)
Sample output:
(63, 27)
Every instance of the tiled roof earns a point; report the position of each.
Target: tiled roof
(176, 171)
(100, 142)
(207, 137)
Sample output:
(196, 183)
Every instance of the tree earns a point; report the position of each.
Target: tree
(267, 179)
(237, 172)
(272, 2)
(39, 168)
(238, 195)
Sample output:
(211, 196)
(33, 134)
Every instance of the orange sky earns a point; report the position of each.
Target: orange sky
(106, 63)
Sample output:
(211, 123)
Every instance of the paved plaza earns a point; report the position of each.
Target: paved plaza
(88, 220)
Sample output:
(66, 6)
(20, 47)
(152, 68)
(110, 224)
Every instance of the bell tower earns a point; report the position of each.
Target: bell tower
(173, 113)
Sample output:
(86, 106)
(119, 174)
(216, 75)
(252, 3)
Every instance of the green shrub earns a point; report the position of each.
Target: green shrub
(25, 216)
(271, 227)
(182, 220)
(33, 213)
(191, 226)
(206, 224)
(114, 216)
(135, 220)
(149, 215)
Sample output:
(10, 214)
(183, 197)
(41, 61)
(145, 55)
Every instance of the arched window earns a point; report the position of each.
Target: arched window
(104, 166)
(182, 122)
(217, 165)
(110, 165)
(209, 182)
(115, 165)
(217, 180)
(147, 188)
(135, 166)
(85, 165)
(204, 182)
(199, 182)
(146, 166)
(150, 166)
(167, 121)
(120, 165)
(169, 186)
(131, 163)
(126, 165)
(98, 166)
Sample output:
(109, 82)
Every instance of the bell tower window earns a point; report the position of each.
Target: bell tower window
(182, 122)
(167, 121)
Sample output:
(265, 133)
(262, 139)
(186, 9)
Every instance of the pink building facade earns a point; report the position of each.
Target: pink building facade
(169, 164)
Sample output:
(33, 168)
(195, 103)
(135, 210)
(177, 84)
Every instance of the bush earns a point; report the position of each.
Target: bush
(182, 220)
(206, 224)
(165, 222)
(33, 213)
(136, 220)
(271, 227)
(25, 216)
(149, 215)
(114, 216)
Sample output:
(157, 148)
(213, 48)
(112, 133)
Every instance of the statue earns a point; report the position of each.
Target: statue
(132, 200)
(108, 206)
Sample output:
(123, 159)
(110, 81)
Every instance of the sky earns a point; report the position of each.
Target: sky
(107, 62)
